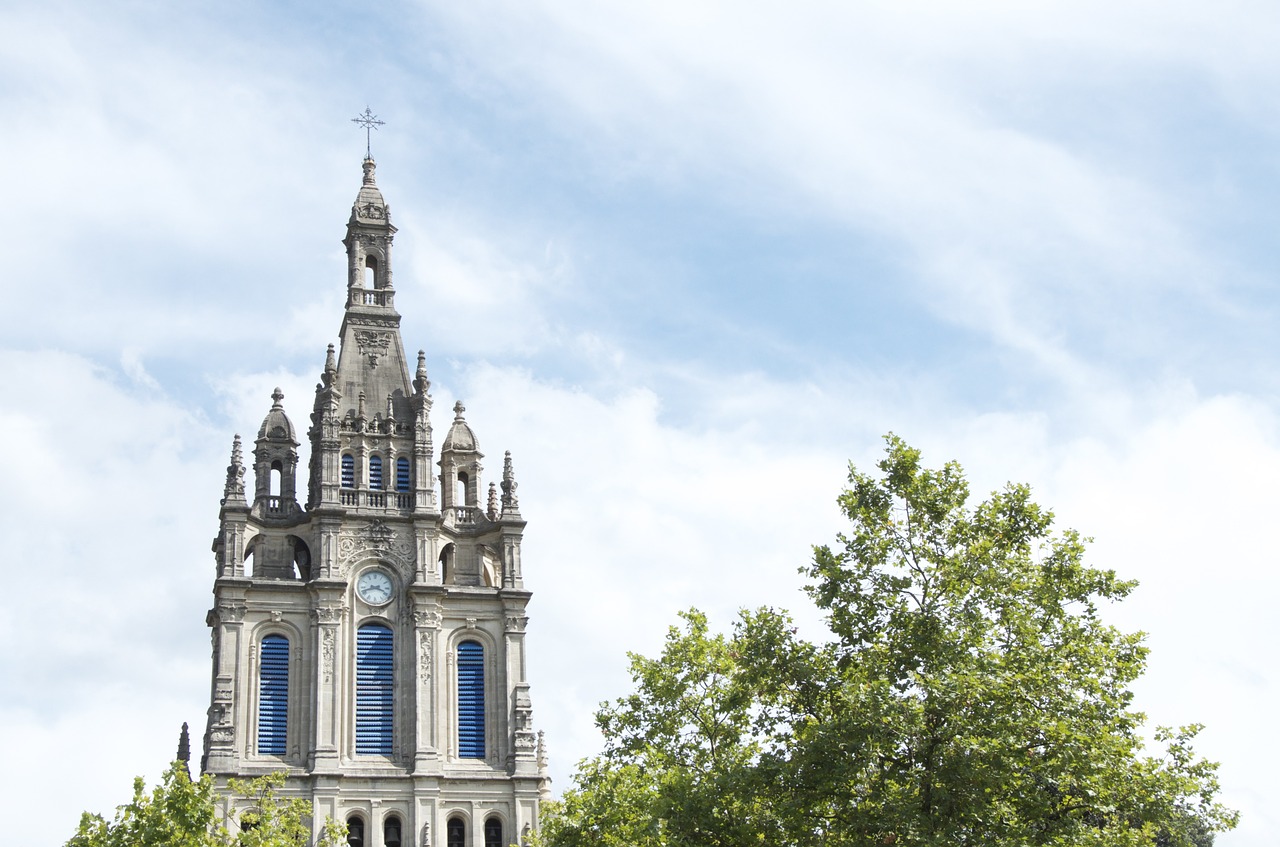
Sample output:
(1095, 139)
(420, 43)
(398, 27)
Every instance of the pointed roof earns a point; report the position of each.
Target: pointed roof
(369, 207)
(276, 425)
(460, 436)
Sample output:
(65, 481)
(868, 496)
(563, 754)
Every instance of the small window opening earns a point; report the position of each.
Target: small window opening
(455, 833)
(355, 831)
(446, 564)
(370, 272)
(493, 833)
(348, 471)
(402, 474)
(375, 472)
(460, 491)
(391, 832)
(276, 470)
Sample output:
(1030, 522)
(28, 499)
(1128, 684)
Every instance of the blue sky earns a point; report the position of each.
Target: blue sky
(685, 261)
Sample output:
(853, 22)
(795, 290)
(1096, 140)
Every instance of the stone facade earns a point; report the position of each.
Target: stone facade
(375, 552)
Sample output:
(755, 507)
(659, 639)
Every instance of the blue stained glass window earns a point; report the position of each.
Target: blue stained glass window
(273, 695)
(402, 474)
(348, 471)
(470, 700)
(375, 472)
(374, 689)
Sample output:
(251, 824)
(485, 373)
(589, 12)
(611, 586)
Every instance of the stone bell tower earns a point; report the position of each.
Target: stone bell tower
(372, 642)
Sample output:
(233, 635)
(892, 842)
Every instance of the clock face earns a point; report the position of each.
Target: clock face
(374, 587)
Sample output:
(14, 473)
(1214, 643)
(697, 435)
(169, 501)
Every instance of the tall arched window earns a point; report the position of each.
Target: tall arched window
(455, 833)
(273, 695)
(355, 831)
(348, 471)
(374, 687)
(391, 832)
(470, 700)
(375, 473)
(493, 833)
(402, 474)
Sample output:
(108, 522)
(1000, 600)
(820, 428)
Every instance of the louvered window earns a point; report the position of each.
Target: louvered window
(455, 833)
(348, 471)
(374, 684)
(402, 474)
(470, 700)
(375, 472)
(273, 695)
(493, 833)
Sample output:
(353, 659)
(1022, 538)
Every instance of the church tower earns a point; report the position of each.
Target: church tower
(372, 641)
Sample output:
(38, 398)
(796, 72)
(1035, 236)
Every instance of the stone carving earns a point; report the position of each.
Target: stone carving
(231, 612)
(376, 540)
(424, 654)
(327, 614)
(223, 735)
(372, 211)
(427, 617)
(327, 651)
(516, 623)
(373, 343)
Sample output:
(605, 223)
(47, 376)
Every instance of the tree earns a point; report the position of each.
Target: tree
(970, 695)
(184, 813)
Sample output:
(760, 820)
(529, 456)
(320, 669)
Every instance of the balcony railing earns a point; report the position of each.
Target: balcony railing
(362, 498)
(372, 297)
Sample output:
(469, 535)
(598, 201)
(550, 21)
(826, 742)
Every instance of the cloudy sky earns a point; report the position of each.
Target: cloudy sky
(686, 261)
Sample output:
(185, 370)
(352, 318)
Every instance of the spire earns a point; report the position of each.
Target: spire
(330, 367)
(493, 502)
(510, 503)
(234, 489)
(184, 750)
(421, 384)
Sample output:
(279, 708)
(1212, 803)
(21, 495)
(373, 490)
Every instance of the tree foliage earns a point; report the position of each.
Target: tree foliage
(181, 812)
(971, 694)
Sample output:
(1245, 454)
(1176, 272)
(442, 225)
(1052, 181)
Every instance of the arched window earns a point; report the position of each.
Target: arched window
(391, 832)
(374, 688)
(455, 833)
(277, 468)
(370, 272)
(460, 492)
(375, 473)
(273, 695)
(348, 471)
(355, 831)
(402, 474)
(493, 833)
(470, 700)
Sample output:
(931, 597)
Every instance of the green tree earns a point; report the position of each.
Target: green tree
(970, 695)
(180, 812)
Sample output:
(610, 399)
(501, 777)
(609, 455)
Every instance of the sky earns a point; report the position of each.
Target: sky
(686, 261)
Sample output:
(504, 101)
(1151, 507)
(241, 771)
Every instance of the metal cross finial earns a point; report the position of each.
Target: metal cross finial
(370, 122)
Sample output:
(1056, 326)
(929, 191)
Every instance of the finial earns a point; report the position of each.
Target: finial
(493, 501)
(458, 409)
(370, 122)
(234, 489)
(361, 410)
(420, 382)
(542, 752)
(276, 397)
(330, 364)
(184, 750)
(510, 503)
